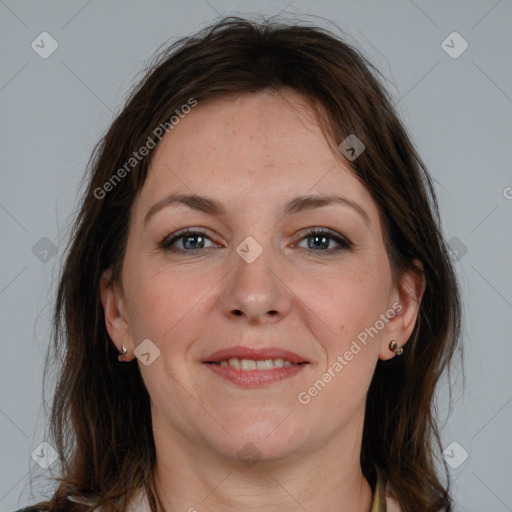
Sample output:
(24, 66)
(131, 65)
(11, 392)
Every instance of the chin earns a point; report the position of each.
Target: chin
(261, 441)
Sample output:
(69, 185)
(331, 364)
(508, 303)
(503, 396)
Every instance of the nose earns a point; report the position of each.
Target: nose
(256, 292)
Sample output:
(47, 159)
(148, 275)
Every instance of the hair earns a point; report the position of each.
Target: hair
(100, 416)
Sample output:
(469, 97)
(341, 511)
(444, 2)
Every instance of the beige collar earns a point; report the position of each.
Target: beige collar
(139, 502)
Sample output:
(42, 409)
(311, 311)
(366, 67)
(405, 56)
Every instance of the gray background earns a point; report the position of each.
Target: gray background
(459, 113)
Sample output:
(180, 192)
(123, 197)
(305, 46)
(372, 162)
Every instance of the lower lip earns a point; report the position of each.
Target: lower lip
(255, 378)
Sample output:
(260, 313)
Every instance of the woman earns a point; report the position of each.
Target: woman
(259, 242)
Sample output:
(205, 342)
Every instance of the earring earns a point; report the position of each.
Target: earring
(123, 352)
(394, 346)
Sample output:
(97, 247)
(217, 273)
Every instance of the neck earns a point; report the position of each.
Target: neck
(191, 478)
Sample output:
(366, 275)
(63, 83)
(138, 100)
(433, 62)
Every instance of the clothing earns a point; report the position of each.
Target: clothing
(379, 494)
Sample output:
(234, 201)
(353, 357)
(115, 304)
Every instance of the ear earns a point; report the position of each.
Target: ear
(115, 318)
(406, 304)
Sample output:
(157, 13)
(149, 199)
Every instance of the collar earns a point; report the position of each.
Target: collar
(379, 494)
(139, 503)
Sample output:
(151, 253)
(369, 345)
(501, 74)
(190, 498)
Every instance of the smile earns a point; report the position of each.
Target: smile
(251, 373)
(252, 364)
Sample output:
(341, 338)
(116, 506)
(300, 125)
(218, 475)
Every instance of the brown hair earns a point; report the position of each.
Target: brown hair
(100, 417)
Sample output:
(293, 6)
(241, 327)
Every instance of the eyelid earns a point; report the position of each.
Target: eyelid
(169, 239)
(338, 237)
(343, 241)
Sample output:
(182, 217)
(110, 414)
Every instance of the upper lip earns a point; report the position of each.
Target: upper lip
(260, 354)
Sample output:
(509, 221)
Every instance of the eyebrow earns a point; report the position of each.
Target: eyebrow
(213, 207)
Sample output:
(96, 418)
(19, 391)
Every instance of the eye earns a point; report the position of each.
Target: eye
(186, 240)
(321, 240)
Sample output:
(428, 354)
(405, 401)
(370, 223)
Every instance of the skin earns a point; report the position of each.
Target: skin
(253, 154)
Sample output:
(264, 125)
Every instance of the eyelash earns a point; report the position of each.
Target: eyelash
(344, 243)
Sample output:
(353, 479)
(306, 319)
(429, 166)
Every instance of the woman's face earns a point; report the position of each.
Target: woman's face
(255, 276)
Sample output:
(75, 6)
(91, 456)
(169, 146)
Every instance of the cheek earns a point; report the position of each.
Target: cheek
(352, 298)
(348, 305)
(163, 302)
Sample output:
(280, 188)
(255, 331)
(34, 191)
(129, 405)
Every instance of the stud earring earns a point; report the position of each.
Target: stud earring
(394, 346)
(123, 352)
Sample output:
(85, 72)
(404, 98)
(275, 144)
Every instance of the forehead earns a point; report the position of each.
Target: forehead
(261, 148)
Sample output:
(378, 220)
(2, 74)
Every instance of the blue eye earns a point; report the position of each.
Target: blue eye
(318, 241)
(189, 240)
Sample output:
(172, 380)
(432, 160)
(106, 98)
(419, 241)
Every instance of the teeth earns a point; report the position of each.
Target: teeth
(264, 365)
(248, 364)
(234, 363)
(251, 364)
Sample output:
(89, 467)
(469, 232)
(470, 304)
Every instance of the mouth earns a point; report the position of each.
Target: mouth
(247, 367)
